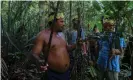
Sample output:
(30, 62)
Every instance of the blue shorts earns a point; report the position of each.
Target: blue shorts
(53, 75)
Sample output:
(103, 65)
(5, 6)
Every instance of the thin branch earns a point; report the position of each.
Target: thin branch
(12, 42)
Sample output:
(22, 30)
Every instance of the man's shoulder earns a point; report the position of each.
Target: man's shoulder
(73, 31)
(42, 34)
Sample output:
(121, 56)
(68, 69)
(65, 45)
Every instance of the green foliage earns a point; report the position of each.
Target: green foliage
(22, 20)
(96, 5)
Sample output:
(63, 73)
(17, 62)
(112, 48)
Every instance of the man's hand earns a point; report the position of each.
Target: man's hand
(113, 52)
(91, 63)
(79, 41)
(44, 68)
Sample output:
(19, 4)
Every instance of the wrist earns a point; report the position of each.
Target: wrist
(117, 52)
(73, 46)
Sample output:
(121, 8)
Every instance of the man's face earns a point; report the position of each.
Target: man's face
(109, 28)
(96, 30)
(88, 26)
(75, 24)
(59, 25)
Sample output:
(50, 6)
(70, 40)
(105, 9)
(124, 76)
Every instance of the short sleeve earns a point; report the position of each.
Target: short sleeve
(122, 43)
(74, 37)
(83, 34)
(117, 43)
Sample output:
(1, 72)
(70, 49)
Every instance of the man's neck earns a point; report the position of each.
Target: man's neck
(53, 28)
(108, 31)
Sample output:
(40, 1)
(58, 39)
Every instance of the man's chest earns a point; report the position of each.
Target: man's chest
(56, 41)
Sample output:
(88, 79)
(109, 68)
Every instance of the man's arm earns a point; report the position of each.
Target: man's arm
(116, 51)
(37, 49)
(71, 47)
(74, 45)
(38, 45)
(119, 46)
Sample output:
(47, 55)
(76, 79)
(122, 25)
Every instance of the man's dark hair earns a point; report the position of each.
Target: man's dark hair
(50, 22)
(95, 26)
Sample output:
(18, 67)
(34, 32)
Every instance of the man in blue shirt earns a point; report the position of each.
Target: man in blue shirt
(75, 32)
(74, 35)
(108, 60)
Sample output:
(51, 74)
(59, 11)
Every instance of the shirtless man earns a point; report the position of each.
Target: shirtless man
(58, 58)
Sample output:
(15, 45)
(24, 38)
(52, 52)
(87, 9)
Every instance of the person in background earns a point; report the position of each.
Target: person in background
(122, 43)
(95, 29)
(74, 34)
(93, 45)
(108, 60)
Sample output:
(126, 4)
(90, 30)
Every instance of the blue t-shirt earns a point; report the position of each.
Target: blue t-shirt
(74, 36)
(103, 56)
(122, 42)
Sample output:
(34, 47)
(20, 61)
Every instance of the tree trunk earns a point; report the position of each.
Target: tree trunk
(42, 16)
(9, 19)
(9, 25)
(70, 15)
(132, 69)
(83, 14)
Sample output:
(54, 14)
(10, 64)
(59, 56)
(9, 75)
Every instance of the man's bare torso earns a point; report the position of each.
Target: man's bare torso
(58, 59)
